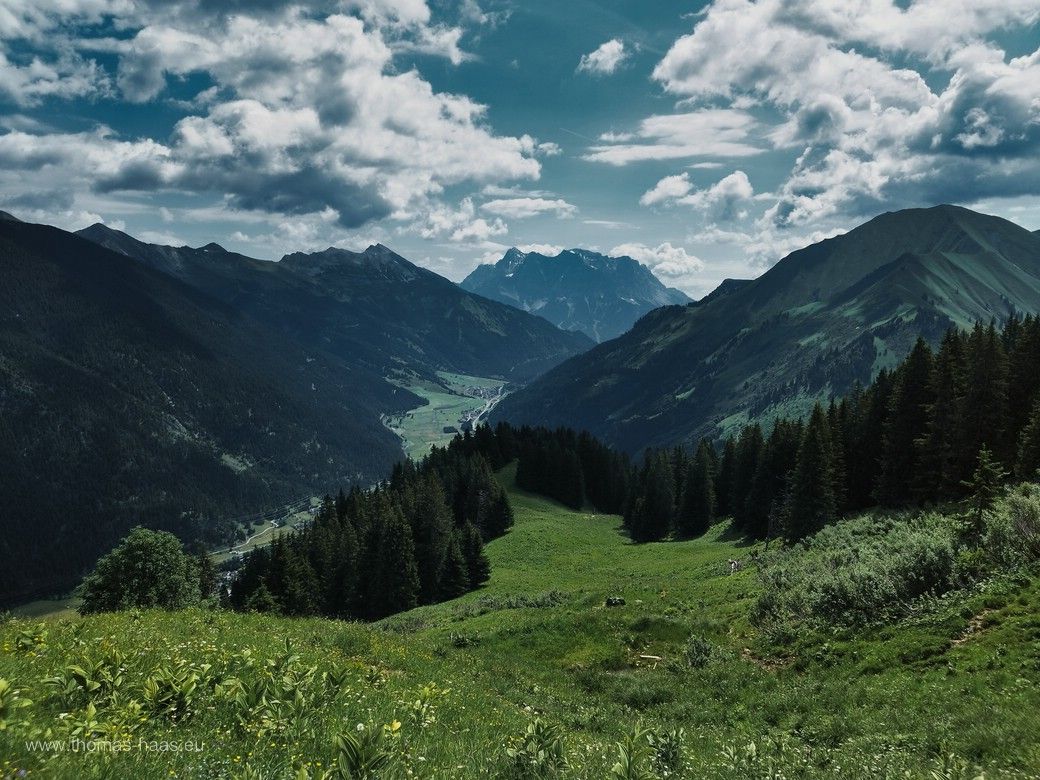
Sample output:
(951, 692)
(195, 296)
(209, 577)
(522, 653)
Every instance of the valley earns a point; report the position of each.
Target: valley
(455, 402)
(498, 390)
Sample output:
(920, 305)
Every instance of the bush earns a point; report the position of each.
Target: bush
(698, 651)
(147, 569)
(857, 570)
(1012, 533)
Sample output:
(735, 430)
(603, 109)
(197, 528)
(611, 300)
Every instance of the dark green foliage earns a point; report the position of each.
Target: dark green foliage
(697, 510)
(477, 565)
(146, 569)
(984, 413)
(914, 435)
(418, 538)
(393, 584)
(454, 580)
(983, 487)
(811, 504)
(936, 449)
(745, 465)
(652, 514)
(769, 487)
(907, 421)
(1028, 464)
(724, 478)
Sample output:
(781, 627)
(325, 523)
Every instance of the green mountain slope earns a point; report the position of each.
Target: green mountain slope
(819, 320)
(127, 396)
(576, 290)
(373, 308)
(947, 690)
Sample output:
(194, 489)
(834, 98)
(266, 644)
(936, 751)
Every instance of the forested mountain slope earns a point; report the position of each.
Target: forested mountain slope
(820, 320)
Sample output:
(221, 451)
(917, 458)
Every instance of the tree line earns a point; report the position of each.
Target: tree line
(417, 538)
(926, 432)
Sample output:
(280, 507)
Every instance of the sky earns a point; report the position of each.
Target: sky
(705, 139)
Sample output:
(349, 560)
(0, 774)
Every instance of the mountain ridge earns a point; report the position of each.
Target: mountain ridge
(131, 397)
(819, 320)
(373, 307)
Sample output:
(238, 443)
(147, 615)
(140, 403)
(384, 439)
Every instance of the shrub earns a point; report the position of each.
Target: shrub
(538, 753)
(1012, 532)
(858, 570)
(147, 569)
(698, 651)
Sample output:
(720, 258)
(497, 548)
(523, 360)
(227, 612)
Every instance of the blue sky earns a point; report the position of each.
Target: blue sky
(705, 139)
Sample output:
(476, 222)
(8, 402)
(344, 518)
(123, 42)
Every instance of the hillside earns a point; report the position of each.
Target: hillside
(127, 396)
(576, 290)
(821, 319)
(373, 309)
(458, 683)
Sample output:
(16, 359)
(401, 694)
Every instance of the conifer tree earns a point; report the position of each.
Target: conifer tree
(864, 460)
(394, 584)
(724, 478)
(907, 422)
(984, 412)
(1028, 465)
(431, 523)
(477, 564)
(748, 451)
(454, 579)
(811, 502)
(769, 487)
(983, 488)
(697, 510)
(936, 449)
(652, 519)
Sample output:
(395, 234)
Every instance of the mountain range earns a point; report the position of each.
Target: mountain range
(180, 387)
(822, 318)
(575, 290)
(372, 308)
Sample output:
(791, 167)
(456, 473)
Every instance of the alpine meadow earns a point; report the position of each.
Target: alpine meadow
(461, 389)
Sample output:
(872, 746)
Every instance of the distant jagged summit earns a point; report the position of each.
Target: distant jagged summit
(576, 290)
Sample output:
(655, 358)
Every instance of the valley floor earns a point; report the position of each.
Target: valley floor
(458, 399)
(457, 685)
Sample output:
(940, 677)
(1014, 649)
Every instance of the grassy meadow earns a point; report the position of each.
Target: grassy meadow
(534, 676)
(453, 399)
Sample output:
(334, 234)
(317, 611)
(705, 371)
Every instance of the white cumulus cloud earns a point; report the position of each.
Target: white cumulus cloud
(605, 59)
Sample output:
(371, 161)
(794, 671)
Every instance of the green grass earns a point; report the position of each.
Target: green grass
(450, 401)
(957, 679)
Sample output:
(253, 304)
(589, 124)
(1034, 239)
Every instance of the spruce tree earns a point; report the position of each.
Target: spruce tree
(454, 579)
(431, 522)
(1027, 467)
(748, 451)
(811, 504)
(394, 584)
(769, 486)
(652, 520)
(724, 478)
(697, 510)
(983, 411)
(936, 449)
(477, 564)
(907, 422)
(983, 488)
